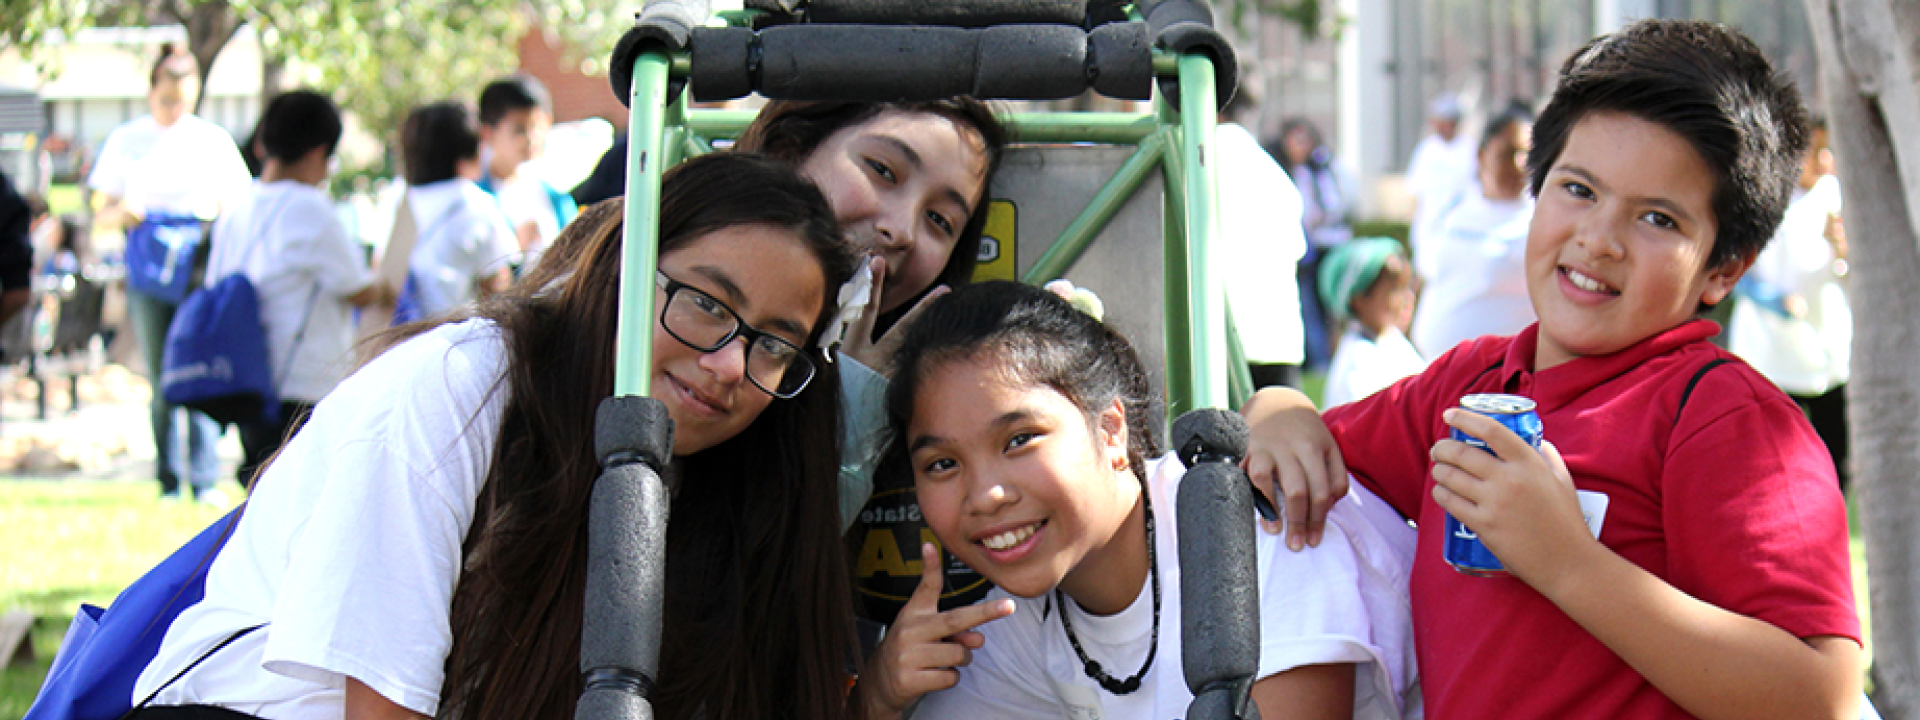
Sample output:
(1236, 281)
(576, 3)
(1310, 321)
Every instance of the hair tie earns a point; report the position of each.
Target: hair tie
(1080, 298)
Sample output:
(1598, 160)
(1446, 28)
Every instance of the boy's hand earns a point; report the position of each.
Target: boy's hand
(859, 344)
(1291, 454)
(1520, 502)
(925, 648)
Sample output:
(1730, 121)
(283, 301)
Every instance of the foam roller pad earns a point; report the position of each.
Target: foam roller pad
(610, 705)
(626, 578)
(865, 63)
(1031, 62)
(1121, 58)
(668, 22)
(722, 63)
(635, 427)
(1219, 433)
(1184, 37)
(960, 13)
(1219, 598)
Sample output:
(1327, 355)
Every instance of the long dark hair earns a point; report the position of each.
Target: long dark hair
(1035, 337)
(791, 130)
(758, 610)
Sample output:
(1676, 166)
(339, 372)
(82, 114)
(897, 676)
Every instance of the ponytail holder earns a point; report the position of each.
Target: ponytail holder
(1080, 298)
(851, 303)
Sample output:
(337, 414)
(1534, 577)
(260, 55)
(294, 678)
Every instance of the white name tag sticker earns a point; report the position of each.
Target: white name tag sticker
(1593, 508)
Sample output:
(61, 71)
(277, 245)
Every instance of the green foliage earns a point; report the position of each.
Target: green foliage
(69, 542)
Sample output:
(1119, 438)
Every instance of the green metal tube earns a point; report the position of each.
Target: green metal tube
(633, 349)
(1206, 300)
(1094, 127)
(1239, 376)
(1072, 243)
(1176, 327)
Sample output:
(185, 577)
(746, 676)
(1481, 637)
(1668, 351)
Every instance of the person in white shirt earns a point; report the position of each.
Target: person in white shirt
(419, 549)
(1263, 241)
(1368, 284)
(1026, 424)
(161, 177)
(1792, 321)
(515, 114)
(465, 248)
(1478, 283)
(308, 271)
(1441, 170)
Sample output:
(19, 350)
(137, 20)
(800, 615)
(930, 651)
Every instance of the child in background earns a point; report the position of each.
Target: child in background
(515, 114)
(464, 246)
(1678, 548)
(309, 271)
(1026, 423)
(1368, 283)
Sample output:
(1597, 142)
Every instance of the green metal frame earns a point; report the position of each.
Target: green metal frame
(1204, 365)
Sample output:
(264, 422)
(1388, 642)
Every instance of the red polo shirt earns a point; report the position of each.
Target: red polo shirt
(1732, 501)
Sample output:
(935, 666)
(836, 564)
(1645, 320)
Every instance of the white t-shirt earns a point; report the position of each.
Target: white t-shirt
(1439, 172)
(303, 264)
(463, 237)
(1480, 287)
(1343, 602)
(1808, 355)
(1364, 365)
(188, 168)
(1262, 244)
(525, 200)
(351, 542)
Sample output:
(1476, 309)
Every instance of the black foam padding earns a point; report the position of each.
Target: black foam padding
(956, 13)
(603, 704)
(626, 572)
(866, 63)
(630, 428)
(1031, 62)
(667, 22)
(1163, 13)
(1221, 434)
(722, 63)
(1185, 37)
(1215, 704)
(1219, 595)
(1120, 59)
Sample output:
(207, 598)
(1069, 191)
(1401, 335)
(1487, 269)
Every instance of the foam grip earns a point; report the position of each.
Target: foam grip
(865, 63)
(971, 13)
(603, 704)
(722, 58)
(1120, 59)
(626, 580)
(1031, 62)
(667, 22)
(1162, 13)
(1219, 598)
(632, 428)
(1210, 435)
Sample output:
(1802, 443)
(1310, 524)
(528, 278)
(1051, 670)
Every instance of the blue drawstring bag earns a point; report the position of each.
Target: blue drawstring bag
(160, 255)
(215, 359)
(106, 650)
(406, 307)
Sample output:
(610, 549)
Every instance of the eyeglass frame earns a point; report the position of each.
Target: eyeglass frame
(740, 329)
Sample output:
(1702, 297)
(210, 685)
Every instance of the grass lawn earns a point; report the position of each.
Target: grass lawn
(75, 541)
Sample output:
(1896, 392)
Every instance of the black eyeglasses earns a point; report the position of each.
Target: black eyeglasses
(700, 321)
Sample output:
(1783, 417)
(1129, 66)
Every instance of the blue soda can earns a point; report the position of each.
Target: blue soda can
(1463, 549)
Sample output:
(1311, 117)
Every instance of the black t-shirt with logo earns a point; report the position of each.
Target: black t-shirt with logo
(886, 540)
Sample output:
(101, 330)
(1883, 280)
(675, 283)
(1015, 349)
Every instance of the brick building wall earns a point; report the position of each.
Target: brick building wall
(576, 96)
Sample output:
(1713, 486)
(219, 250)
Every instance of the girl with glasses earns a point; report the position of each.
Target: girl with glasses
(419, 548)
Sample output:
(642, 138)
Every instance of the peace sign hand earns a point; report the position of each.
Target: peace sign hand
(925, 648)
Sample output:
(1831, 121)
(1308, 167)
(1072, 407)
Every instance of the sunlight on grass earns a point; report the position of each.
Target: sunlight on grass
(69, 542)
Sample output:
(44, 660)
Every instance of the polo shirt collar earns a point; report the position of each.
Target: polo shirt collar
(1560, 385)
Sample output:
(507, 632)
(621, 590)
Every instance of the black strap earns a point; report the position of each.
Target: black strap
(1695, 381)
(189, 668)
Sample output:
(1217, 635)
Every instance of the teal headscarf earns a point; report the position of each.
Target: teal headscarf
(1349, 269)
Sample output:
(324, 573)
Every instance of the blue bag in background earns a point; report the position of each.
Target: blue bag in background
(160, 255)
(216, 355)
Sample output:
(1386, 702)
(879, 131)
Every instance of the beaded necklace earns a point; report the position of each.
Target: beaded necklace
(1092, 666)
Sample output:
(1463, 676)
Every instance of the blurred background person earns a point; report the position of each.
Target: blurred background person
(1442, 168)
(1368, 285)
(1479, 286)
(515, 115)
(464, 246)
(162, 177)
(1791, 320)
(1324, 209)
(1260, 224)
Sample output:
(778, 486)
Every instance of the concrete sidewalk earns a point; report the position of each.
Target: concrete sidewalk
(109, 438)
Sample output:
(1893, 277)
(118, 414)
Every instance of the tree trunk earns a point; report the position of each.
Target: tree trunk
(210, 24)
(1872, 84)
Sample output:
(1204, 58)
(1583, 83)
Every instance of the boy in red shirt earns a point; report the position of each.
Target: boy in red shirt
(1718, 585)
